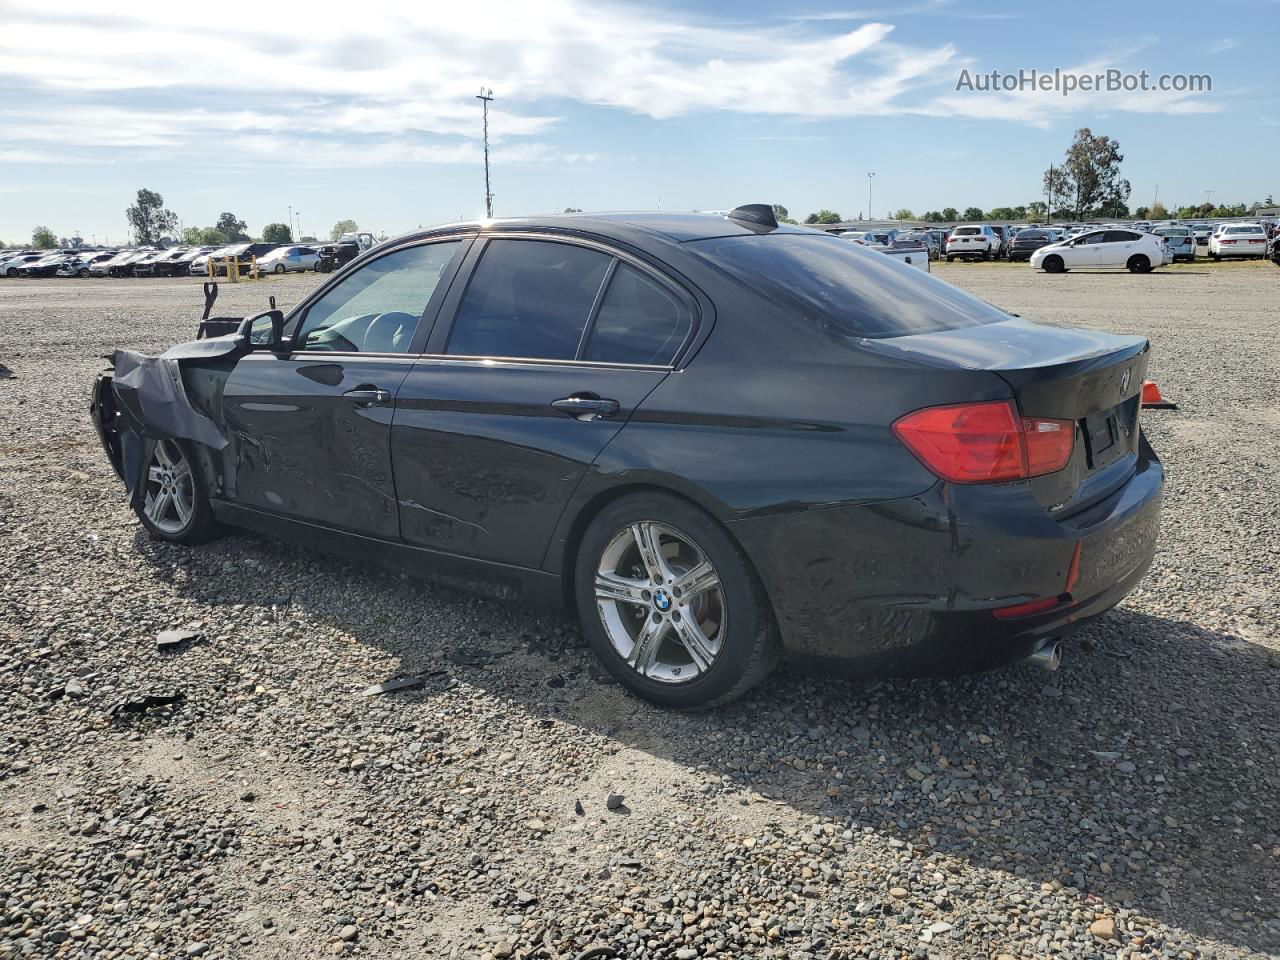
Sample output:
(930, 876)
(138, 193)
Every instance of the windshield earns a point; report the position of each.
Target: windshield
(861, 292)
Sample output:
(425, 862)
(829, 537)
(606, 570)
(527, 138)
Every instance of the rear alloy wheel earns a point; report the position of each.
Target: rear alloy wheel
(279, 268)
(1138, 264)
(173, 504)
(1053, 264)
(670, 604)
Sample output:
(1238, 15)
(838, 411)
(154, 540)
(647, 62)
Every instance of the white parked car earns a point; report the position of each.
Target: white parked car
(297, 259)
(1179, 242)
(972, 241)
(1238, 240)
(1102, 249)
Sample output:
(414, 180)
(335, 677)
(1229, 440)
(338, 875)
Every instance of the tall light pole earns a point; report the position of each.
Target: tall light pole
(869, 178)
(485, 95)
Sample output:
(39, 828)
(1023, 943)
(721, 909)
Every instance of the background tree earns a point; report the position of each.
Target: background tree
(1003, 213)
(1141, 212)
(1058, 185)
(1091, 174)
(231, 227)
(973, 213)
(823, 216)
(1035, 210)
(341, 227)
(277, 233)
(950, 214)
(903, 214)
(572, 209)
(931, 216)
(42, 238)
(148, 219)
(1158, 211)
(782, 214)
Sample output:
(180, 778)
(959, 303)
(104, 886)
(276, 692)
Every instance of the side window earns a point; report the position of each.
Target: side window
(377, 308)
(1092, 238)
(528, 298)
(1121, 236)
(640, 321)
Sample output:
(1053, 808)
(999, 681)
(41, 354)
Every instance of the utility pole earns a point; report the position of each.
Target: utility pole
(485, 95)
(869, 177)
(1048, 189)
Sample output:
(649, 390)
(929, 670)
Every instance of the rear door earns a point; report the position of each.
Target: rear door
(310, 430)
(553, 345)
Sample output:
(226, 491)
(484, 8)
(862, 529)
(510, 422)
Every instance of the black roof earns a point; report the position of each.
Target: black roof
(634, 226)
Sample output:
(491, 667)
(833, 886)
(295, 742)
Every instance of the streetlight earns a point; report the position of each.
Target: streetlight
(869, 176)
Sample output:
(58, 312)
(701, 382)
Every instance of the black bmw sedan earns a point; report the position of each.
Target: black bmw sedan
(715, 439)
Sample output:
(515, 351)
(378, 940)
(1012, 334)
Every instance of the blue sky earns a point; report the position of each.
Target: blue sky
(367, 110)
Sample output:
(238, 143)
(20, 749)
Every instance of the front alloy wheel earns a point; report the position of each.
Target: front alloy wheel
(170, 494)
(173, 504)
(661, 602)
(670, 603)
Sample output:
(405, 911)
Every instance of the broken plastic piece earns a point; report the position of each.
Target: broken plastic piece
(173, 639)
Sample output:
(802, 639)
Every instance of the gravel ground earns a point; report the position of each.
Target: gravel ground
(517, 805)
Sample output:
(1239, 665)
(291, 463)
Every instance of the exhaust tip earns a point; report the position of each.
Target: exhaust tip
(1047, 656)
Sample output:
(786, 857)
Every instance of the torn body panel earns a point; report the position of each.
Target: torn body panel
(145, 398)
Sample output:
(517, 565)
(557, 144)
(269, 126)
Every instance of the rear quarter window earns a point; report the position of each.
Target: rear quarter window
(858, 292)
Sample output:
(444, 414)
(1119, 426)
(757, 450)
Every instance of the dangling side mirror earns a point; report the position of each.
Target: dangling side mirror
(263, 332)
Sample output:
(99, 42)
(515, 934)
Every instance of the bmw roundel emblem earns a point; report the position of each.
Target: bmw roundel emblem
(661, 600)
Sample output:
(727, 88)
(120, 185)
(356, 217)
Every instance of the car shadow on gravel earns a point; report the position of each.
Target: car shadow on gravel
(1145, 773)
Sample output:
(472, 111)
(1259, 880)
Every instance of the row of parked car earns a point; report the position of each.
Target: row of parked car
(181, 261)
(1138, 247)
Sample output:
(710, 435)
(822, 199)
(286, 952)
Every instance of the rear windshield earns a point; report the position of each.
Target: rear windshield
(1173, 232)
(1033, 235)
(1243, 230)
(862, 292)
(965, 231)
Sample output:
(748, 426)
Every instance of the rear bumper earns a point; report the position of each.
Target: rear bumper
(909, 587)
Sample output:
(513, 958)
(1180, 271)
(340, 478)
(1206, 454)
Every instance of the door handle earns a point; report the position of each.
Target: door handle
(369, 396)
(586, 407)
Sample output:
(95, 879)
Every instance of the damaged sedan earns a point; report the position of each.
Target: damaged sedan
(715, 439)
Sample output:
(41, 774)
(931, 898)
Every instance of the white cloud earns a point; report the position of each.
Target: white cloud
(1223, 45)
(399, 81)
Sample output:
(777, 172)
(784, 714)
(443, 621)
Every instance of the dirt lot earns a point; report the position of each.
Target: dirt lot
(1127, 806)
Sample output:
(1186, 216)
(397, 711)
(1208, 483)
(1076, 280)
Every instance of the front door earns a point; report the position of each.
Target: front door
(1086, 251)
(310, 430)
(553, 347)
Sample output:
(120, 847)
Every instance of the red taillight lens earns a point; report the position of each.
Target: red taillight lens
(986, 442)
(1228, 241)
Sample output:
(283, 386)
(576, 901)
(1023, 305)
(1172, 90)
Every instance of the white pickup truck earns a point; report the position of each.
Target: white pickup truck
(917, 255)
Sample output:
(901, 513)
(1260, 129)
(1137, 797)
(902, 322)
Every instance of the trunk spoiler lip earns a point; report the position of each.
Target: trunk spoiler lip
(1012, 345)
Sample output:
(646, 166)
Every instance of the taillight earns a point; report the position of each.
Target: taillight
(986, 442)
(1227, 241)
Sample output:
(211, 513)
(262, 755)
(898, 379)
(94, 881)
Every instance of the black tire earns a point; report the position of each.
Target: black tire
(950, 258)
(750, 646)
(1053, 264)
(1213, 256)
(11, 272)
(279, 268)
(1139, 263)
(201, 526)
(82, 272)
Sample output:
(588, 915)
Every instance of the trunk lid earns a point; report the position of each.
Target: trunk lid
(1086, 376)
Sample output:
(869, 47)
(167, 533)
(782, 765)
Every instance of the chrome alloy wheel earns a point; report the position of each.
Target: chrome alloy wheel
(171, 491)
(661, 602)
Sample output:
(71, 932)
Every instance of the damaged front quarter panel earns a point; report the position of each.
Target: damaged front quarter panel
(143, 399)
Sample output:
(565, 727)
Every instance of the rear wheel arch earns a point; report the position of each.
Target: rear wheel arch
(600, 501)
